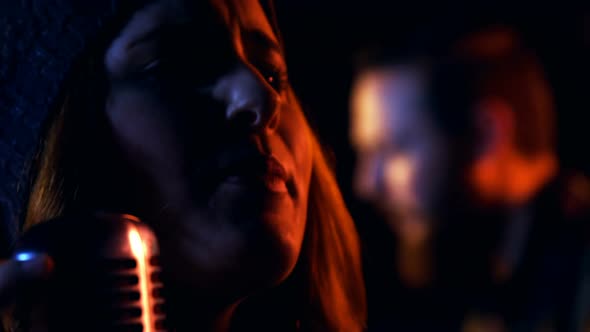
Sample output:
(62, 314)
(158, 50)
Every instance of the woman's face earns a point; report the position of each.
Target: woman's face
(217, 155)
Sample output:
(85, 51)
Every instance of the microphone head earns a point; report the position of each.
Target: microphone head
(107, 273)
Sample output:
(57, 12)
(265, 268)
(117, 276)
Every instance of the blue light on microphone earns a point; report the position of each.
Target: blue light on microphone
(25, 256)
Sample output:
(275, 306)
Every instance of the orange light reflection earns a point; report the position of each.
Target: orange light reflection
(139, 251)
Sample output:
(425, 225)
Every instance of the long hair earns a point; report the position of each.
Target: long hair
(325, 292)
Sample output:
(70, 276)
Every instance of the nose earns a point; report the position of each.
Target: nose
(251, 104)
(368, 179)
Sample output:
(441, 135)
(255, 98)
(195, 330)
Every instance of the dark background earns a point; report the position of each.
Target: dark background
(323, 38)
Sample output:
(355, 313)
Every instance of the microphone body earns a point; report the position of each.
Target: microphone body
(106, 274)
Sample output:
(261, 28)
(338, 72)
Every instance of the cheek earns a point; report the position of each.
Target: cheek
(141, 129)
(297, 138)
(147, 140)
(300, 141)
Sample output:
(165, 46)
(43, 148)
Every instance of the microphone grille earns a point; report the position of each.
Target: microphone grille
(124, 305)
(137, 296)
(107, 275)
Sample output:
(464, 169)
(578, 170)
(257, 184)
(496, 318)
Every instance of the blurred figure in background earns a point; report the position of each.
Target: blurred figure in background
(456, 146)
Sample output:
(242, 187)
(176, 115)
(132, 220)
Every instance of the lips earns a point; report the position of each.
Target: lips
(256, 171)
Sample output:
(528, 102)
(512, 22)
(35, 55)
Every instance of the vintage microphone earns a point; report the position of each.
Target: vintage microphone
(107, 274)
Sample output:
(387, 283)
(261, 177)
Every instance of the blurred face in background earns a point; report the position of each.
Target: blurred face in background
(403, 159)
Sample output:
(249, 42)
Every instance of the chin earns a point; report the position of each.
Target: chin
(271, 265)
(235, 253)
(271, 250)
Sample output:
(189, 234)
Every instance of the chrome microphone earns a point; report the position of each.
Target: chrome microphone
(107, 273)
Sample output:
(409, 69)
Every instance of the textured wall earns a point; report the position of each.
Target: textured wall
(38, 43)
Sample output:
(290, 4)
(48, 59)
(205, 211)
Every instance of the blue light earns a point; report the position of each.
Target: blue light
(24, 256)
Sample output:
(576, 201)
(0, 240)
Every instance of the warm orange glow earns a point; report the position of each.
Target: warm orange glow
(494, 41)
(398, 176)
(139, 251)
(485, 178)
(130, 217)
(367, 119)
(510, 177)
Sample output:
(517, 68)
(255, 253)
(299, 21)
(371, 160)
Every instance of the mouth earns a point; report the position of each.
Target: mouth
(258, 171)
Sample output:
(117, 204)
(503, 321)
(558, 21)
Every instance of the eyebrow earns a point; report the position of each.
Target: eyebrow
(146, 36)
(260, 39)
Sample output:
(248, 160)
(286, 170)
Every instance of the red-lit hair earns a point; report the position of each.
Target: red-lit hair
(327, 279)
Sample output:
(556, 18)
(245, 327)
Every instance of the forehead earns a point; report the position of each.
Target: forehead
(386, 101)
(234, 20)
(249, 14)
